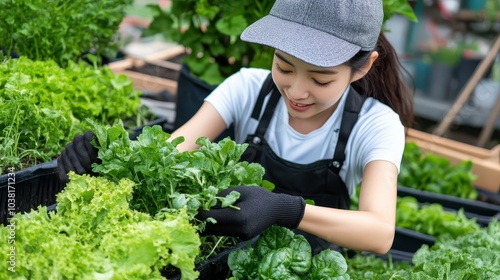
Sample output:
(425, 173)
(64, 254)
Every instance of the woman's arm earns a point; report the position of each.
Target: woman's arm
(206, 122)
(369, 229)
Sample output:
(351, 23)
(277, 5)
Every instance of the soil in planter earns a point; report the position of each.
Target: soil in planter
(462, 133)
(160, 71)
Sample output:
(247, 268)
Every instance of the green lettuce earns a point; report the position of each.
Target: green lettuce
(93, 234)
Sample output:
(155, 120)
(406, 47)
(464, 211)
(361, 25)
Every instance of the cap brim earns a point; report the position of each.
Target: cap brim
(308, 44)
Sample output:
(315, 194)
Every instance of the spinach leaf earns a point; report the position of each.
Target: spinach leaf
(276, 265)
(328, 265)
(279, 253)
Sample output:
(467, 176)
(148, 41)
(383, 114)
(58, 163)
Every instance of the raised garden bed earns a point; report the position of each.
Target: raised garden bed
(155, 72)
(452, 202)
(486, 162)
(215, 268)
(406, 240)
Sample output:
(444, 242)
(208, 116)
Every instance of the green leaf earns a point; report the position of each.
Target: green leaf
(230, 199)
(231, 25)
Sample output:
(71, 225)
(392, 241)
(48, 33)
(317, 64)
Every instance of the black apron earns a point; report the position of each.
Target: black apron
(318, 181)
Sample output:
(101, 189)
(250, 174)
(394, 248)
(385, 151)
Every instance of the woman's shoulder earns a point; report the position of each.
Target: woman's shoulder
(378, 118)
(374, 108)
(243, 85)
(249, 76)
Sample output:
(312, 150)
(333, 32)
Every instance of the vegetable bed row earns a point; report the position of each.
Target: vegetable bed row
(110, 228)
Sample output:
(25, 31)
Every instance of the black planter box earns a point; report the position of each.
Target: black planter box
(216, 268)
(406, 240)
(481, 210)
(398, 256)
(38, 185)
(393, 254)
(29, 188)
(191, 93)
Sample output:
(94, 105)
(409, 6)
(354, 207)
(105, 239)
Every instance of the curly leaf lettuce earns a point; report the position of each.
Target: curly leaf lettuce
(95, 235)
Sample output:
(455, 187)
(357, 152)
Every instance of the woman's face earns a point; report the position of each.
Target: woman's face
(309, 92)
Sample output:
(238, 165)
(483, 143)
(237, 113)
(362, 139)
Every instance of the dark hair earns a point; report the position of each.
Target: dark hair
(385, 81)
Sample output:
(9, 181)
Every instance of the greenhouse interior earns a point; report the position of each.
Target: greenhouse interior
(197, 139)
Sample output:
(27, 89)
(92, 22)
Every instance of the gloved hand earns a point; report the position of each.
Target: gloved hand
(77, 156)
(259, 209)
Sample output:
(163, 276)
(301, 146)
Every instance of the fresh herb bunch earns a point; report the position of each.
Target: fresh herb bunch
(61, 30)
(435, 174)
(44, 106)
(171, 180)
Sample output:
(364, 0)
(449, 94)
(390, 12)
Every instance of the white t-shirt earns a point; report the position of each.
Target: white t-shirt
(377, 135)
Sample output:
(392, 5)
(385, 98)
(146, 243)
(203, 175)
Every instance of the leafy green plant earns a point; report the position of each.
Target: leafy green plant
(436, 174)
(211, 29)
(170, 180)
(432, 219)
(363, 266)
(61, 30)
(94, 234)
(450, 54)
(44, 106)
(279, 253)
(469, 256)
(402, 7)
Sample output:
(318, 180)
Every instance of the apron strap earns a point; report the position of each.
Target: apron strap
(352, 108)
(267, 87)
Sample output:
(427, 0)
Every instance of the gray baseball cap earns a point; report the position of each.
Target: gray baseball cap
(324, 33)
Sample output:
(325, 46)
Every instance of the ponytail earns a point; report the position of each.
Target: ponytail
(385, 80)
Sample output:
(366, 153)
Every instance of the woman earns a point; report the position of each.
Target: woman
(328, 116)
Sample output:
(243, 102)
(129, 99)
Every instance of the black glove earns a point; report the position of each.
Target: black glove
(259, 209)
(77, 156)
